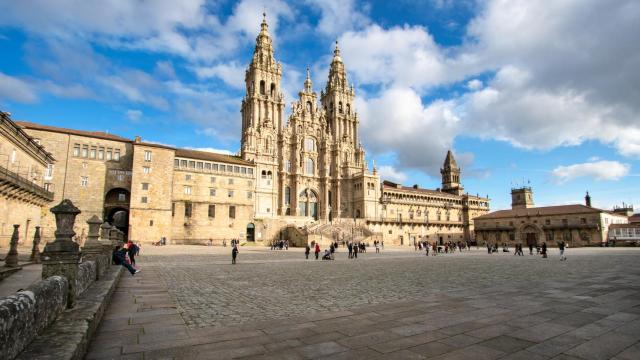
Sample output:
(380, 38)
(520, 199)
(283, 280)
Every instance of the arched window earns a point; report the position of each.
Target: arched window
(269, 175)
(264, 174)
(310, 144)
(287, 195)
(309, 166)
(340, 107)
(252, 88)
(331, 106)
(267, 142)
(273, 89)
(348, 109)
(287, 166)
(309, 106)
(262, 85)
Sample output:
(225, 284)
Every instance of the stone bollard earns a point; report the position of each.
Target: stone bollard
(12, 256)
(62, 256)
(35, 252)
(92, 249)
(104, 231)
(113, 236)
(107, 246)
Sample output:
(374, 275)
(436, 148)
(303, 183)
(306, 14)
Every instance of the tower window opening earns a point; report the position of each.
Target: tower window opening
(348, 109)
(262, 87)
(340, 107)
(273, 90)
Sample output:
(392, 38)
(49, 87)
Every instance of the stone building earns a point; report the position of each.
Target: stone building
(25, 165)
(576, 224)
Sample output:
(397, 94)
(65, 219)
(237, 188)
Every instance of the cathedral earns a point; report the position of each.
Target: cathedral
(313, 164)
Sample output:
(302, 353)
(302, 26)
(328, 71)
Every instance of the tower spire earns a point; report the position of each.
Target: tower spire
(308, 85)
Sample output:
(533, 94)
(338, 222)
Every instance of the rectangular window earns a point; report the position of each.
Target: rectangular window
(143, 200)
(116, 155)
(76, 150)
(150, 222)
(236, 169)
(243, 170)
(564, 222)
(583, 220)
(120, 176)
(101, 153)
(48, 173)
(250, 183)
(85, 151)
(183, 163)
(122, 197)
(199, 165)
(93, 152)
(109, 154)
(188, 207)
(176, 162)
(212, 211)
(223, 168)
(230, 181)
(84, 181)
(173, 209)
(207, 166)
(214, 167)
(145, 186)
(192, 164)
(213, 179)
(250, 171)
(547, 222)
(48, 186)
(212, 192)
(230, 193)
(147, 155)
(187, 177)
(146, 169)
(232, 212)
(249, 195)
(187, 190)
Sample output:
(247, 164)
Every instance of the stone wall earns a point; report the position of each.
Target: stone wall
(27, 313)
(87, 273)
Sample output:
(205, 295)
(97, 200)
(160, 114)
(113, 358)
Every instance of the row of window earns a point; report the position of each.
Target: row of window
(188, 190)
(189, 177)
(546, 222)
(96, 152)
(207, 166)
(627, 232)
(189, 208)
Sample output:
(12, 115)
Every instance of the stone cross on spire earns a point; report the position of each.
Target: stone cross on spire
(308, 85)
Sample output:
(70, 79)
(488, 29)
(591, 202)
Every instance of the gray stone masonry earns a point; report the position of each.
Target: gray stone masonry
(62, 256)
(12, 256)
(35, 251)
(93, 249)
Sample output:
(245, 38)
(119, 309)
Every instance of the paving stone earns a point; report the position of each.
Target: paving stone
(475, 352)
(507, 344)
(541, 332)
(556, 345)
(460, 341)
(432, 349)
(321, 349)
(602, 347)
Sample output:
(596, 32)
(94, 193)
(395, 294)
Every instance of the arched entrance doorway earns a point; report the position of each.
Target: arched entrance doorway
(116, 209)
(530, 235)
(251, 232)
(308, 203)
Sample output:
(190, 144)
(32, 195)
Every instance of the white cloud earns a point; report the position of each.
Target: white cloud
(474, 84)
(388, 172)
(133, 115)
(419, 134)
(338, 16)
(599, 170)
(12, 88)
(211, 150)
(231, 73)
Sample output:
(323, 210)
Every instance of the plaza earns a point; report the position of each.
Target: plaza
(190, 302)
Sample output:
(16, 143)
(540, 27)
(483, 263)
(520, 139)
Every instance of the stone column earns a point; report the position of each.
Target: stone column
(12, 256)
(107, 246)
(104, 231)
(62, 256)
(92, 249)
(35, 252)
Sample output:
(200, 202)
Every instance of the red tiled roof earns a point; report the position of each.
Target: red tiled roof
(388, 185)
(621, 226)
(635, 218)
(94, 134)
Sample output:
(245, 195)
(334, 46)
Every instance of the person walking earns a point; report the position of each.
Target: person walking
(119, 258)
(561, 247)
(234, 253)
(350, 247)
(377, 247)
(544, 250)
(355, 251)
(132, 251)
(317, 250)
(307, 250)
(530, 249)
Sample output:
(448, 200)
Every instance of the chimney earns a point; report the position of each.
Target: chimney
(415, 186)
(587, 200)
(137, 139)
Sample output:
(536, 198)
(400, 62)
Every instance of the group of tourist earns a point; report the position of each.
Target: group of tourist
(540, 249)
(280, 245)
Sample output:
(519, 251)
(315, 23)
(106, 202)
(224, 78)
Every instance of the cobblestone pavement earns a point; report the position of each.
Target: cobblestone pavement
(190, 302)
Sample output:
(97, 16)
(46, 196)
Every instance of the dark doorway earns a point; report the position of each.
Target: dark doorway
(531, 239)
(441, 241)
(251, 231)
(118, 217)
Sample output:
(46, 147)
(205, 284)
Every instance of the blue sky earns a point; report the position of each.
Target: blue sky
(546, 92)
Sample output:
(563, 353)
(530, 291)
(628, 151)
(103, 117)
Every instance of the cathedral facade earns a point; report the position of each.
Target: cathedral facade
(312, 164)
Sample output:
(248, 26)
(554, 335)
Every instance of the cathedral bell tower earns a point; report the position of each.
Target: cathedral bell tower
(262, 112)
(451, 176)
